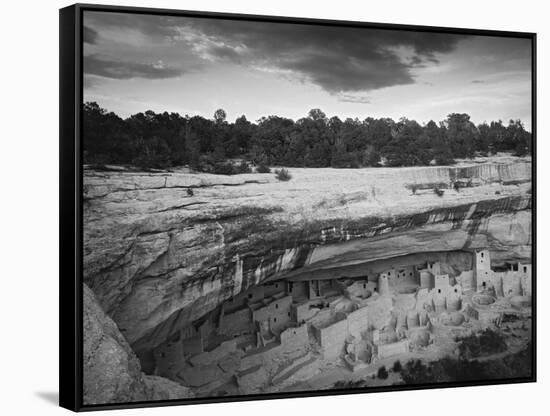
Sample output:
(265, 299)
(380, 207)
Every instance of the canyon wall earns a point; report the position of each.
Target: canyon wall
(162, 249)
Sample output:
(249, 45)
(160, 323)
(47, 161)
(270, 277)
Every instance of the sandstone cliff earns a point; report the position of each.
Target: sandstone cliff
(158, 256)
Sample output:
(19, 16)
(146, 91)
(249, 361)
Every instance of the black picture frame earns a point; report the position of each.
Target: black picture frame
(71, 204)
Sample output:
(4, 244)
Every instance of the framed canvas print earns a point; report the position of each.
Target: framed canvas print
(259, 207)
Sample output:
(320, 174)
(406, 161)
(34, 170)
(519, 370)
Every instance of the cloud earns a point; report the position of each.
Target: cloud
(89, 35)
(151, 25)
(349, 98)
(89, 82)
(338, 59)
(108, 68)
(224, 52)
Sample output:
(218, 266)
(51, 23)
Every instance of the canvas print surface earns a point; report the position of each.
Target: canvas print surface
(276, 207)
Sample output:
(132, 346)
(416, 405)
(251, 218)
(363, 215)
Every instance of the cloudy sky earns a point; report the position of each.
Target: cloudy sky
(134, 63)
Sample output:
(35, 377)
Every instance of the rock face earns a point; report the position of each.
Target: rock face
(158, 257)
(112, 372)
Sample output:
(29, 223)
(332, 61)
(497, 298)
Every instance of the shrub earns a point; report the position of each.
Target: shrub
(243, 167)
(413, 187)
(224, 168)
(485, 343)
(190, 192)
(397, 367)
(283, 174)
(210, 164)
(382, 373)
(444, 160)
(349, 384)
(451, 369)
(263, 168)
(439, 192)
(462, 184)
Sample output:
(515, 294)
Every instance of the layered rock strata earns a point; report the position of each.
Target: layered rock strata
(163, 249)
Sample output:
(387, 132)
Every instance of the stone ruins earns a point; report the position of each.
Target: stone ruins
(270, 336)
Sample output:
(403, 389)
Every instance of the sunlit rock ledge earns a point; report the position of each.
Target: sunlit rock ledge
(158, 256)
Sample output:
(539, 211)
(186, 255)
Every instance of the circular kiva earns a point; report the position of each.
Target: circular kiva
(483, 299)
(420, 337)
(457, 318)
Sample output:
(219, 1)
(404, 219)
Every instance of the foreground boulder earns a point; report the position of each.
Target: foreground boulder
(112, 372)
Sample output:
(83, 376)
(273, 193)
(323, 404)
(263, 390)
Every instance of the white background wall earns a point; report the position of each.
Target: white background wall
(29, 209)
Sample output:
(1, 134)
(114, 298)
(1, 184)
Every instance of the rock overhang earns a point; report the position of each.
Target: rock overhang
(147, 243)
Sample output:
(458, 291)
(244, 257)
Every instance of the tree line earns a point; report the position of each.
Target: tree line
(164, 140)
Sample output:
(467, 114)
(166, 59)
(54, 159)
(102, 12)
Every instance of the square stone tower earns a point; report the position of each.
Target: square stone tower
(483, 269)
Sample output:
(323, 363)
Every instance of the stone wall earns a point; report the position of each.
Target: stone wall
(236, 323)
(298, 290)
(442, 283)
(358, 322)
(526, 279)
(276, 312)
(333, 338)
(511, 282)
(294, 338)
(274, 288)
(239, 301)
(379, 312)
(332, 335)
(303, 312)
(209, 357)
(389, 350)
(467, 280)
(507, 283)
